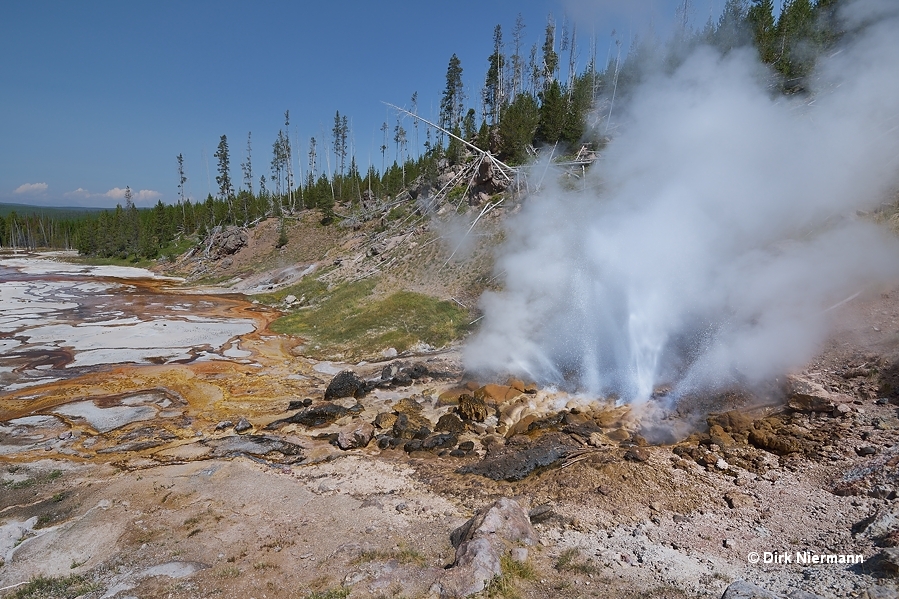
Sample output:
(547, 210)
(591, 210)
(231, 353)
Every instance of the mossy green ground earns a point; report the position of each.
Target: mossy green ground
(350, 321)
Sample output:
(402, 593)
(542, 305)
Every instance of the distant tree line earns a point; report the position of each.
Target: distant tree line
(530, 98)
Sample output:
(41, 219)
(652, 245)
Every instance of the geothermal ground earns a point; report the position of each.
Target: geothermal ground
(208, 462)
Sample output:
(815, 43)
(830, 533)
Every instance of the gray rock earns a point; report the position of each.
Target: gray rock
(223, 425)
(880, 524)
(242, 426)
(494, 531)
(806, 395)
(357, 434)
(741, 589)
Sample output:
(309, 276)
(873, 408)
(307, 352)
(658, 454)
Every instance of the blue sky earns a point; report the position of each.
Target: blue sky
(99, 95)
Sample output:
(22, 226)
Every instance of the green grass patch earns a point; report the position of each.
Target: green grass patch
(403, 555)
(310, 288)
(569, 561)
(504, 585)
(335, 593)
(55, 588)
(19, 484)
(347, 321)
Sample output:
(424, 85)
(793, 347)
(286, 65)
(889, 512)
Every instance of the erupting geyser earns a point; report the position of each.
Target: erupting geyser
(720, 225)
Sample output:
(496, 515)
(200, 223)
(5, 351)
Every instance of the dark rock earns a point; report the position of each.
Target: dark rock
(355, 435)
(515, 461)
(401, 380)
(257, 446)
(440, 441)
(887, 561)
(741, 589)
(314, 417)
(390, 371)
(471, 408)
(637, 454)
(413, 445)
(242, 426)
(541, 513)
(223, 425)
(467, 446)
(299, 404)
(458, 453)
(866, 450)
(410, 423)
(450, 423)
(345, 384)
(416, 371)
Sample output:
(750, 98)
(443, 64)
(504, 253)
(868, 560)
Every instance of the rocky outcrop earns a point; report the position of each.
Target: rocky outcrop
(503, 528)
(355, 435)
(227, 242)
(313, 417)
(345, 384)
(471, 408)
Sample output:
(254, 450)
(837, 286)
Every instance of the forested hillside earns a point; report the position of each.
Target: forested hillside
(531, 97)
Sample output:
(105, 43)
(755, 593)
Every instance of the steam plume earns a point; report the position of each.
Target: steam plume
(716, 231)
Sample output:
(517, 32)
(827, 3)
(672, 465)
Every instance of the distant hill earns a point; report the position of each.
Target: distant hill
(59, 212)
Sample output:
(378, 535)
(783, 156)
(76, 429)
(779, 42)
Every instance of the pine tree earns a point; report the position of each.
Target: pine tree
(494, 88)
(732, 31)
(552, 113)
(550, 58)
(247, 167)
(517, 128)
(795, 31)
(182, 179)
(761, 22)
(453, 100)
(223, 179)
(517, 59)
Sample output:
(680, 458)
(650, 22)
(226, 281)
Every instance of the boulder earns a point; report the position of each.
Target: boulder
(228, 242)
(313, 417)
(740, 589)
(805, 395)
(521, 456)
(471, 408)
(355, 435)
(242, 426)
(481, 542)
(450, 423)
(345, 384)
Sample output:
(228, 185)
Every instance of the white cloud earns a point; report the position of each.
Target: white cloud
(78, 193)
(143, 195)
(31, 188)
